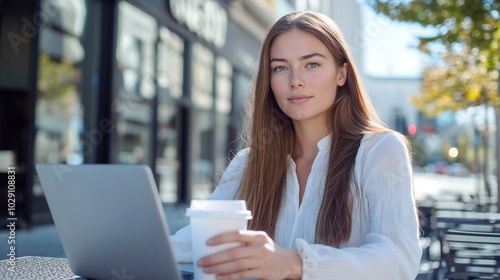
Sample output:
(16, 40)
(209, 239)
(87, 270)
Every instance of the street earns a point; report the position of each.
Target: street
(439, 186)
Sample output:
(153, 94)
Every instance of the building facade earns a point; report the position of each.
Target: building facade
(158, 82)
(391, 97)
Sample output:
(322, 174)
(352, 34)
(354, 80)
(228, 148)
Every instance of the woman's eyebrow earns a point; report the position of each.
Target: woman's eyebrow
(307, 56)
(277, 60)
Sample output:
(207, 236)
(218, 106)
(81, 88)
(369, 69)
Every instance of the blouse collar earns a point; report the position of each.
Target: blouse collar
(324, 143)
(323, 146)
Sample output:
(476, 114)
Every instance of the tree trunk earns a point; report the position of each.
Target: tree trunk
(485, 137)
(497, 146)
(497, 142)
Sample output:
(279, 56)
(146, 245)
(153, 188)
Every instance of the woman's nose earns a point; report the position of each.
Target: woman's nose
(296, 80)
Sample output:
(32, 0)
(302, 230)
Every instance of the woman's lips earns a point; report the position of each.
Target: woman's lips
(299, 99)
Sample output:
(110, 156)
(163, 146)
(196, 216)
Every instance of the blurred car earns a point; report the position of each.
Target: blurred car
(441, 167)
(458, 169)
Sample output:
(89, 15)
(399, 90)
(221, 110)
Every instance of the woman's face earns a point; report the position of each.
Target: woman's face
(304, 76)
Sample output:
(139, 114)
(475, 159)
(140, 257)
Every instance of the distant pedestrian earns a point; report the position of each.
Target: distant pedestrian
(329, 185)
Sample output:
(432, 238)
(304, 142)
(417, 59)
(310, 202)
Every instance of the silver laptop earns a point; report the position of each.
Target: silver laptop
(110, 220)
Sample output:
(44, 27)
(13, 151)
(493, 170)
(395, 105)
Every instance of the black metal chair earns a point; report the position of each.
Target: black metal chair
(470, 244)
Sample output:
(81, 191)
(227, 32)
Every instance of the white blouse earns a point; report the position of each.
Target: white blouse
(384, 241)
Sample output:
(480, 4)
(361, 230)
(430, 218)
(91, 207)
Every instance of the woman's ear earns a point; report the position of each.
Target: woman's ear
(342, 75)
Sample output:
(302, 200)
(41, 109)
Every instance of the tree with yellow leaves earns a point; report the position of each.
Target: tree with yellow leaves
(462, 81)
(468, 75)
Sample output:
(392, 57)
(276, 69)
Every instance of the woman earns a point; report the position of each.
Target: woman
(329, 186)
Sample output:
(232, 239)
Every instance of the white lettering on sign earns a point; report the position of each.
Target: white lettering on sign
(206, 18)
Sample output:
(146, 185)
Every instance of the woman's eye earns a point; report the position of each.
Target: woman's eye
(312, 65)
(279, 68)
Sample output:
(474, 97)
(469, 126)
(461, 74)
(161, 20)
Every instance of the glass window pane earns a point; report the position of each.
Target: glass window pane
(137, 33)
(222, 120)
(224, 86)
(170, 62)
(59, 110)
(202, 90)
(203, 124)
(170, 67)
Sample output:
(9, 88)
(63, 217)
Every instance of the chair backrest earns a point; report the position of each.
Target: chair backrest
(470, 244)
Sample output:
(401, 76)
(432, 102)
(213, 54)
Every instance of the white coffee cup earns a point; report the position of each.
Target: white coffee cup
(209, 218)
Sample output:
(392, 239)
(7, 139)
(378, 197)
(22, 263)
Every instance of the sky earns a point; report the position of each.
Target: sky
(390, 51)
(390, 47)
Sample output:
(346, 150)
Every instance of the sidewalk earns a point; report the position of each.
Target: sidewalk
(44, 241)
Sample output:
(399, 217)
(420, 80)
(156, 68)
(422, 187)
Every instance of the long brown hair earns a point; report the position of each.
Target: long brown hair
(271, 137)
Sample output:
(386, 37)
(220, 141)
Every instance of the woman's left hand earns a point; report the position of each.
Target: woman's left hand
(258, 258)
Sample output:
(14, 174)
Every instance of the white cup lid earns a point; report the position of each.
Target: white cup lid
(219, 208)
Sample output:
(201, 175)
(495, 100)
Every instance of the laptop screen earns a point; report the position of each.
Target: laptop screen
(110, 220)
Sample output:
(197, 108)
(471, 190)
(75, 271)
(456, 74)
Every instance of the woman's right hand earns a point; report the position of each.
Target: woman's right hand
(259, 257)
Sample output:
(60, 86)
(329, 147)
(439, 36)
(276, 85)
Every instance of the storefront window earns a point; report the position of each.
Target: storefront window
(60, 136)
(170, 80)
(224, 71)
(203, 124)
(137, 33)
